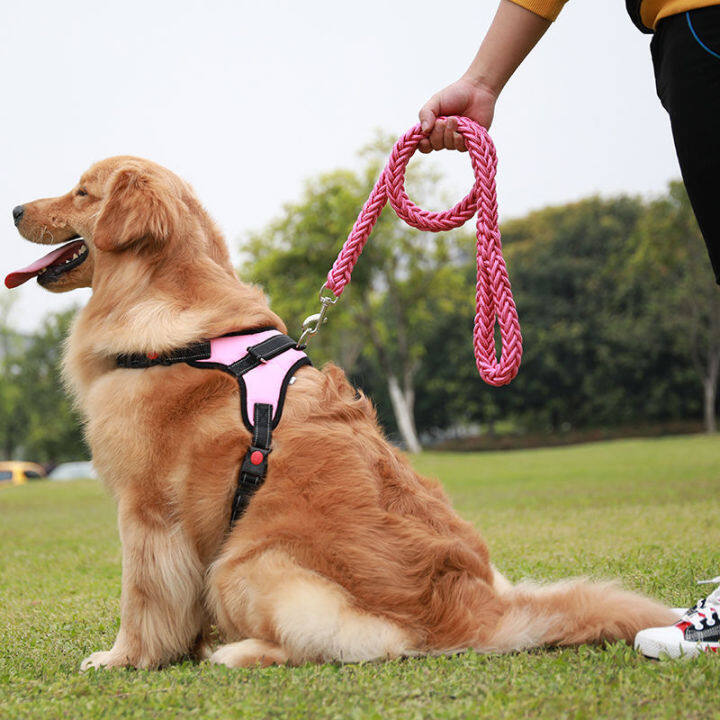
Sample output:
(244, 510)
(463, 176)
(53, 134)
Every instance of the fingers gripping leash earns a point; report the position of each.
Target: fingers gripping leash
(493, 297)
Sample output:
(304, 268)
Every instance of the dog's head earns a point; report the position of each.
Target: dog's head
(121, 203)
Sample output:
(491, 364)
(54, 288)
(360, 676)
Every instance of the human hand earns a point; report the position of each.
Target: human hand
(464, 97)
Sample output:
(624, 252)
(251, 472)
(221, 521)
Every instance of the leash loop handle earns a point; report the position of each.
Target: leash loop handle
(494, 301)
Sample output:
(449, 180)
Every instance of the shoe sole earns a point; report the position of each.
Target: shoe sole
(675, 651)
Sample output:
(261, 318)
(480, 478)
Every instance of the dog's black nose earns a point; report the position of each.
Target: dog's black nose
(18, 211)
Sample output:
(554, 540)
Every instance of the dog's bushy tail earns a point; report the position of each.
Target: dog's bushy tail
(572, 612)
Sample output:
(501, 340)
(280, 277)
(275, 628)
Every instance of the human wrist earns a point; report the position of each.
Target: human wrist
(484, 81)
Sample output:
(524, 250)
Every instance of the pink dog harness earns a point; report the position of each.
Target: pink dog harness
(263, 362)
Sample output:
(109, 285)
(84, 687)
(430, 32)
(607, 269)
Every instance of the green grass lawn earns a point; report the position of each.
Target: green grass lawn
(647, 511)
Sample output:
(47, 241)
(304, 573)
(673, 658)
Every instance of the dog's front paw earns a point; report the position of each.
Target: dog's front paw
(103, 659)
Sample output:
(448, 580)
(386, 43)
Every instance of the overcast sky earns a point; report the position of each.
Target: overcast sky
(247, 99)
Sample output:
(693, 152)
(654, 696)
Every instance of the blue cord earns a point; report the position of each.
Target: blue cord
(699, 41)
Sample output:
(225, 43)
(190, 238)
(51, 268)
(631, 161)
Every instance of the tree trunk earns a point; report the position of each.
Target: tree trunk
(491, 427)
(710, 383)
(402, 400)
(402, 403)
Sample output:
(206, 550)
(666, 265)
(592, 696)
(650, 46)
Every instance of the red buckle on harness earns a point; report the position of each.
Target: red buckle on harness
(255, 462)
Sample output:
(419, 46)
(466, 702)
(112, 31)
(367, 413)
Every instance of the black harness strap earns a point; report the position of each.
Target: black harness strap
(198, 351)
(254, 466)
(262, 352)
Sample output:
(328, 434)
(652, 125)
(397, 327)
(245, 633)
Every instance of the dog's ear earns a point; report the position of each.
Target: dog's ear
(139, 207)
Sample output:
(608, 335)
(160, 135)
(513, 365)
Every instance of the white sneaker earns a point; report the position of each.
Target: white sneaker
(698, 630)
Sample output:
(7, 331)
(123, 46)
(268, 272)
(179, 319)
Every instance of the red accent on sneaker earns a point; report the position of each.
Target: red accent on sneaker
(683, 625)
(256, 457)
(153, 356)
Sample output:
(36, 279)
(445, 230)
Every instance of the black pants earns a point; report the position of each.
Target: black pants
(686, 56)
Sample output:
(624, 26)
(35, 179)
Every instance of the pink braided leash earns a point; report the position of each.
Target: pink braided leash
(493, 296)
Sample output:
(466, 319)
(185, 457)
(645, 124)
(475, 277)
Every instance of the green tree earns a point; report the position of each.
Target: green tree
(671, 248)
(594, 352)
(11, 421)
(43, 426)
(608, 340)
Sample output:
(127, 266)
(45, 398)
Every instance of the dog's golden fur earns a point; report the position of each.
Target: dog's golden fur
(345, 553)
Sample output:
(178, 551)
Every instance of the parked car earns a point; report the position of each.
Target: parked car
(73, 471)
(16, 472)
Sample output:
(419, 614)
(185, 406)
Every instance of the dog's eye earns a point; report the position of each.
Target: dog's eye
(81, 192)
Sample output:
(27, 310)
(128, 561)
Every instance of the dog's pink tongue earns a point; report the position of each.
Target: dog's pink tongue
(20, 276)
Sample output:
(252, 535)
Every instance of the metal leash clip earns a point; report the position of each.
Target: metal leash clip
(312, 324)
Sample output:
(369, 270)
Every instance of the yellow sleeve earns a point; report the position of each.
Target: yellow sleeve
(548, 9)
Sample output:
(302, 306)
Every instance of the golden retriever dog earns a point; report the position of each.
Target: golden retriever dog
(345, 553)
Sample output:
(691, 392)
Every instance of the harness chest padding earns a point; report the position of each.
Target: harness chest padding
(263, 362)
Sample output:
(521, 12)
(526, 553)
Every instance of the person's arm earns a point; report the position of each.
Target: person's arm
(514, 32)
